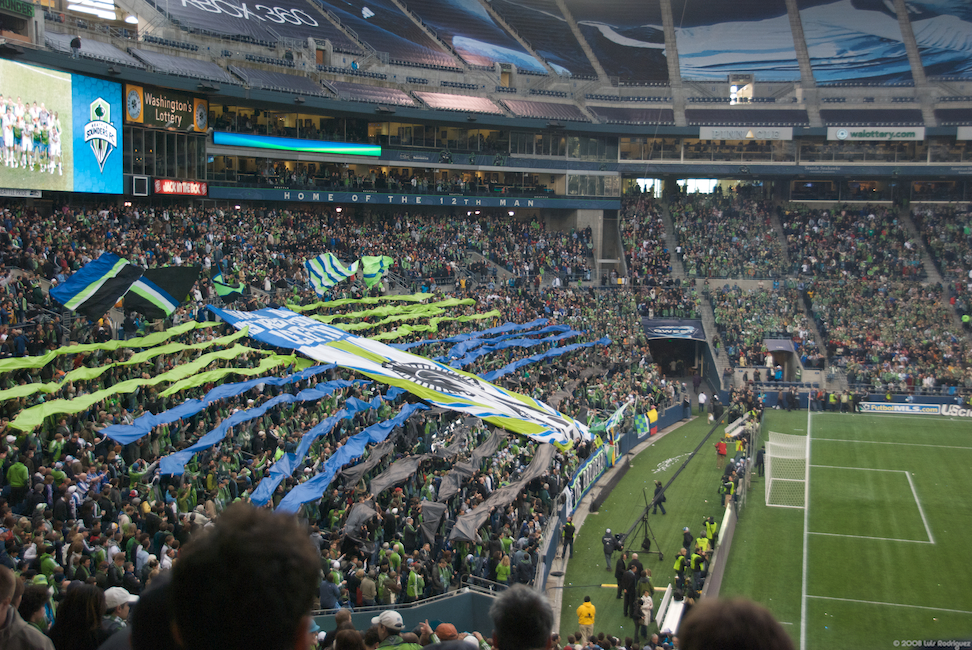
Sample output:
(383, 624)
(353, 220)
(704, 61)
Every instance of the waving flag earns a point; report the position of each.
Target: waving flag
(97, 285)
(437, 383)
(325, 271)
(374, 267)
(227, 292)
(160, 291)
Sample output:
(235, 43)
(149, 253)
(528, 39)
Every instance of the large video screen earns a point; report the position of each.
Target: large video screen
(61, 131)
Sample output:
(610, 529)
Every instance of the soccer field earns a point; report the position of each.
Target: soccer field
(876, 560)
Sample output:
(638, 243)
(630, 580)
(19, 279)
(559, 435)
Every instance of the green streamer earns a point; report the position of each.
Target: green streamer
(330, 304)
(7, 365)
(85, 373)
(433, 326)
(32, 417)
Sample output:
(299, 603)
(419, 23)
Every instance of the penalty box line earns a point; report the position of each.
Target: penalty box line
(878, 602)
(914, 493)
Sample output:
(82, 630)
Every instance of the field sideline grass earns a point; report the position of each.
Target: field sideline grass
(693, 496)
(871, 477)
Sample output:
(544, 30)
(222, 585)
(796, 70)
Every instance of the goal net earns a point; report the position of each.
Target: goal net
(786, 470)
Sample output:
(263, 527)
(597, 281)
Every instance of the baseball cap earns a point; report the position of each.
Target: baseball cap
(446, 632)
(607, 532)
(390, 619)
(115, 596)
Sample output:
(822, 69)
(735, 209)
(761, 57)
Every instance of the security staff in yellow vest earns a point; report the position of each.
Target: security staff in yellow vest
(711, 531)
(681, 564)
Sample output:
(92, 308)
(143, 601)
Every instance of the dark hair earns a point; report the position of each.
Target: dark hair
(522, 619)
(371, 636)
(34, 598)
(348, 640)
(247, 582)
(78, 622)
(736, 624)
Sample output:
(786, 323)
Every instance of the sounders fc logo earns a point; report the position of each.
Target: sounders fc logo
(100, 133)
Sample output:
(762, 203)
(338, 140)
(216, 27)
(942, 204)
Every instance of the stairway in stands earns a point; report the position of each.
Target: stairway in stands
(671, 241)
(778, 228)
(932, 275)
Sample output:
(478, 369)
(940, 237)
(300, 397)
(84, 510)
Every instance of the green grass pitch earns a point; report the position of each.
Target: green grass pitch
(885, 533)
(886, 530)
(691, 498)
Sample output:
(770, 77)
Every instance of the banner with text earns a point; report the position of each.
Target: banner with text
(437, 383)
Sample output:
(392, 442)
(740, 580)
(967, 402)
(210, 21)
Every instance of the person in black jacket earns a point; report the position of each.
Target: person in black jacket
(619, 569)
(610, 545)
(659, 498)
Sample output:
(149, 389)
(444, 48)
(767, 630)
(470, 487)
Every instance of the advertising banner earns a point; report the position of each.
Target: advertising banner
(745, 133)
(163, 108)
(871, 134)
(897, 408)
(182, 188)
(673, 328)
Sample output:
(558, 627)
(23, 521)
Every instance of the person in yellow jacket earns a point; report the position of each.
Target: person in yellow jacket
(585, 619)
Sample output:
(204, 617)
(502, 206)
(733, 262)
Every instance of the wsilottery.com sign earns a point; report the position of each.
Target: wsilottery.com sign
(948, 410)
(883, 134)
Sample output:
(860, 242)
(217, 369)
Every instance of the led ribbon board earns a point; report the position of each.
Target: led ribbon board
(294, 144)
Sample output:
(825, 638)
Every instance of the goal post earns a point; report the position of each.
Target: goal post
(786, 470)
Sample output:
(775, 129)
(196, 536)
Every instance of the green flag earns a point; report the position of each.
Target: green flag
(375, 266)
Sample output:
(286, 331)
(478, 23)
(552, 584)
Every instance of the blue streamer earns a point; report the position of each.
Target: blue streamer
(499, 329)
(463, 347)
(176, 463)
(515, 343)
(555, 352)
(126, 433)
(289, 462)
(314, 487)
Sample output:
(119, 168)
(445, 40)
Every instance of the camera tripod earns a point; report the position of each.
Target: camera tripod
(647, 532)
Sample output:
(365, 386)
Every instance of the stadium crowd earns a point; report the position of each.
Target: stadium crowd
(864, 242)
(895, 334)
(79, 509)
(727, 236)
(745, 318)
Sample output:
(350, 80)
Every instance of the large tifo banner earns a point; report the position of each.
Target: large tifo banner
(60, 131)
(673, 328)
(437, 383)
(948, 410)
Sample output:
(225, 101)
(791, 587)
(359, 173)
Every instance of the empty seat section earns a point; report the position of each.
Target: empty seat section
(473, 34)
(547, 110)
(183, 67)
(875, 117)
(91, 49)
(627, 36)
(258, 23)
(465, 103)
(382, 25)
(621, 115)
(717, 117)
(541, 23)
(953, 116)
(287, 83)
(374, 94)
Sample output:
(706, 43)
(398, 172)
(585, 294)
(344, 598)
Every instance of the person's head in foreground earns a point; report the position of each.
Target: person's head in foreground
(735, 624)
(247, 582)
(522, 620)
